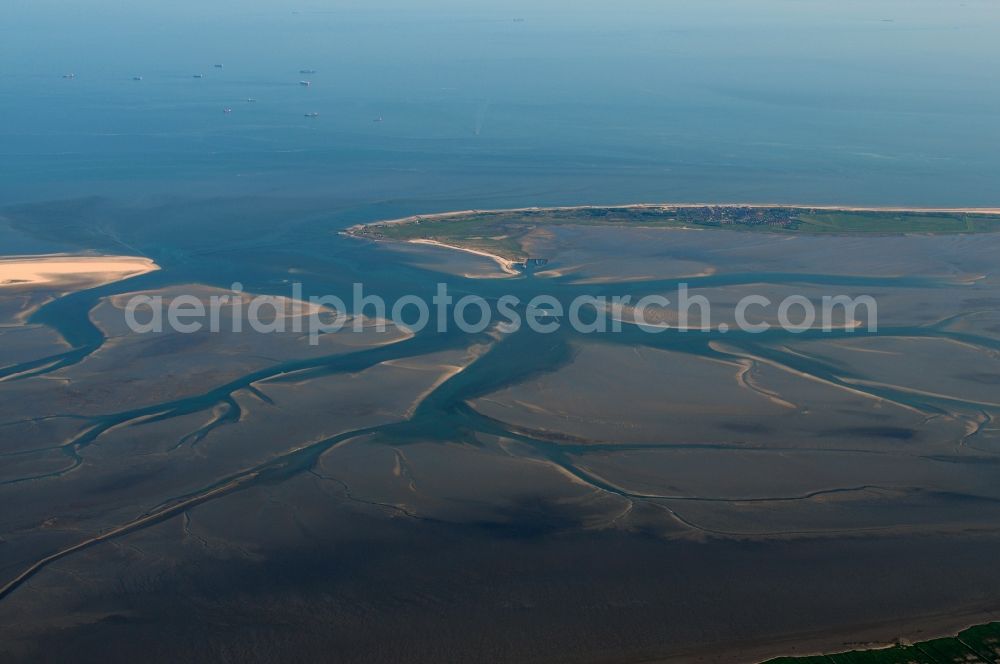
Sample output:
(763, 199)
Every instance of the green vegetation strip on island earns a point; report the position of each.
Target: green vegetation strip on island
(976, 644)
(503, 232)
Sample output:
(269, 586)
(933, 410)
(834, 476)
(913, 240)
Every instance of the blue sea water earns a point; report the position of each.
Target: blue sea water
(502, 103)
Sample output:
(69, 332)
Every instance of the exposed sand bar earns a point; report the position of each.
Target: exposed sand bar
(56, 269)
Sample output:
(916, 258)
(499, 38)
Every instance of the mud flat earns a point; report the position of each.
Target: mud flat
(461, 496)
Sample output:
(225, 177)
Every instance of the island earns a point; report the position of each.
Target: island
(504, 235)
(976, 644)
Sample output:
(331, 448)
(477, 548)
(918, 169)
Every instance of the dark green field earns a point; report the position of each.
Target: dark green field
(503, 232)
(976, 644)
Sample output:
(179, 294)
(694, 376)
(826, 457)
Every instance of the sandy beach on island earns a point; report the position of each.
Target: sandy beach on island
(57, 269)
(505, 264)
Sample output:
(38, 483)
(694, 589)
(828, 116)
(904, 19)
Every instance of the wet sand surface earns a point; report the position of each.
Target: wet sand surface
(500, 497)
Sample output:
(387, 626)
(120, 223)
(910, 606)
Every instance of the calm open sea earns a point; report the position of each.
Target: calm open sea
(442, 104)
